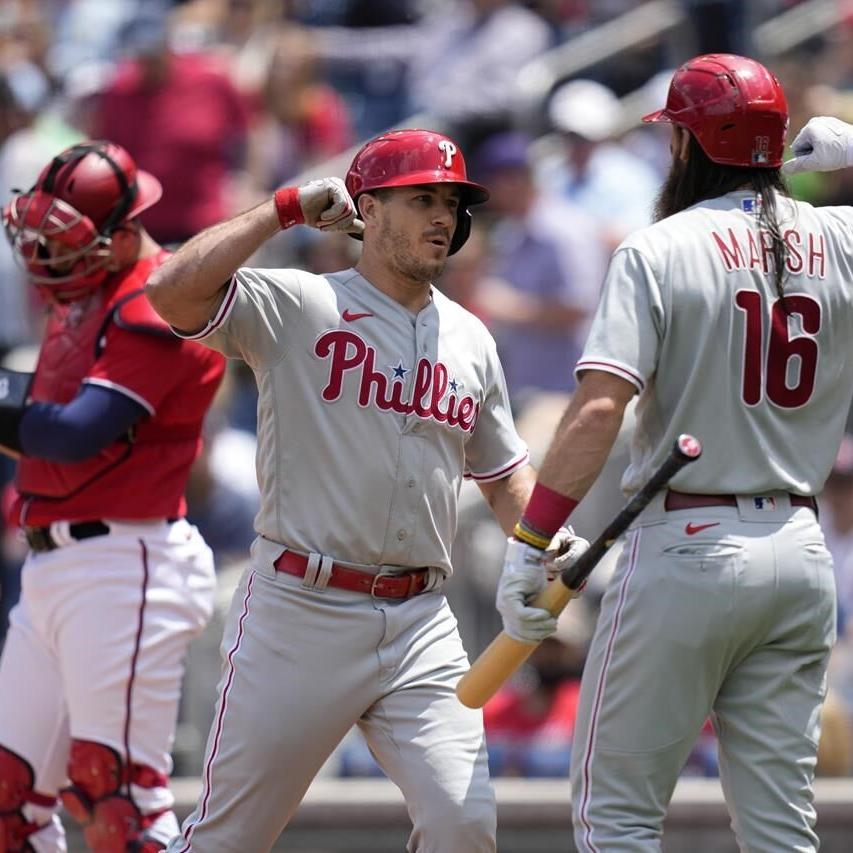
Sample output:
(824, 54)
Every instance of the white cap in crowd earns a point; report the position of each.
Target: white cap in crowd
(586, 108)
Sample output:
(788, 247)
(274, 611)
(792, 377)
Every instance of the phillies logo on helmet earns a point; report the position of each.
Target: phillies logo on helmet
(348, 353)
(449, 150)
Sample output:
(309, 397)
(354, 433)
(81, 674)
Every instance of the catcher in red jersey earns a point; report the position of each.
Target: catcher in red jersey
(116, 583)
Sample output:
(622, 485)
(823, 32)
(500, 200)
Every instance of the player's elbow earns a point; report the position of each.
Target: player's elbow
(157, 291)
(601, 398)
(601, 413)
(177, 296)
(167, 299)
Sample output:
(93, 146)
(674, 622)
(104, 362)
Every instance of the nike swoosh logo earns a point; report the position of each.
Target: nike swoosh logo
(691, 528)
(349, 316)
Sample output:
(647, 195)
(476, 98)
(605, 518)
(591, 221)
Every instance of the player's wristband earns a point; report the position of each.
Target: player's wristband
(545, 514)
(288, 208)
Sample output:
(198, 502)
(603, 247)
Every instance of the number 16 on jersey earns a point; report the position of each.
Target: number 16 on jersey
(769, 377)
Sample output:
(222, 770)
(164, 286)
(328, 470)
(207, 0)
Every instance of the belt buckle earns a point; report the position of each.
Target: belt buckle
(376, 578)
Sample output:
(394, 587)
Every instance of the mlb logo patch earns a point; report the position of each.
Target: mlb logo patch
(761, 151)
(751, 205)
(766, 503)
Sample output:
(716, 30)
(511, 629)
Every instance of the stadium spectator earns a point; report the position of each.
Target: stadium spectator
(24, 145)
(222, 513)
(463, 277)
(180, 117)
(545, 271)
(837, 524)
(304, 121)
(462, 60)
(612, 186)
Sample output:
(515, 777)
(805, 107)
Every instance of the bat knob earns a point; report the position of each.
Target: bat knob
(689, 446)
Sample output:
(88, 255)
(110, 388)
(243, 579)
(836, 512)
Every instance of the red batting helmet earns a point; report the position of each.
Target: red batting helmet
(405, 158)
(734, 107)
(77, 202)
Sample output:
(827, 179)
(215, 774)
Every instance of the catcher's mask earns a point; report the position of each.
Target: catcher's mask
(405, 158)
(61, 229)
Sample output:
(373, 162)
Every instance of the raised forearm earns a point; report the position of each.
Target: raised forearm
(188, 288)
(581, 444)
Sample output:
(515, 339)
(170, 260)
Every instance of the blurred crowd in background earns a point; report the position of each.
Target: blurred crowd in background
(225, 100)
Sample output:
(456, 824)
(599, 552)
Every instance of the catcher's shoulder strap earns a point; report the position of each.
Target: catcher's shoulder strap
(133, 312)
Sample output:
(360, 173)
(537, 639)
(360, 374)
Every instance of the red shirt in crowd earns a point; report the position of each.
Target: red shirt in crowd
(190, 131)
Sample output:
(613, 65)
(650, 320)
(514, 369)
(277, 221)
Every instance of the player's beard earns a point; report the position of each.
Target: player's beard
(396, 246)
(671, 198)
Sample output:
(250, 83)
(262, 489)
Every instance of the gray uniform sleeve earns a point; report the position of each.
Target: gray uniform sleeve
(257, 317)
(629, 322)
(495, 449)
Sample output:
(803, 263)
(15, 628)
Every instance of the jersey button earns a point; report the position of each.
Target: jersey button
(401, 535)
(416, 428)
(410, 482)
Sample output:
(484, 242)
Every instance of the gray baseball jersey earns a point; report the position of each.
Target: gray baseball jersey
(728, 365)
(368, 419)
(724, 607)
(368, 416)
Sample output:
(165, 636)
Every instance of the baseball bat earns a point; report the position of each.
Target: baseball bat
(506, 654)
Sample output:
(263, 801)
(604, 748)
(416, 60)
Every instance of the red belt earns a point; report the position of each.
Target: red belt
(684, 500)
(403, 585)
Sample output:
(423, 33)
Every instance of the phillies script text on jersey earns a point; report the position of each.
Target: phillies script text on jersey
(806, 252)
(348, 352)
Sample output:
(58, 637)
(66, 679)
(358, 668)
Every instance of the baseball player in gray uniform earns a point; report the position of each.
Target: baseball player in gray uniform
(731, 317)
(376, 396)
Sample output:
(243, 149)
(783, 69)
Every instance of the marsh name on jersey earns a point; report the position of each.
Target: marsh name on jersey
(742, 249)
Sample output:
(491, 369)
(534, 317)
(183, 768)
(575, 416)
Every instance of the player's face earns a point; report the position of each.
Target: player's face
(61, 258)
(415, 228)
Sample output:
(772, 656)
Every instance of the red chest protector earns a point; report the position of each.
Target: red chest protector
(73, 341)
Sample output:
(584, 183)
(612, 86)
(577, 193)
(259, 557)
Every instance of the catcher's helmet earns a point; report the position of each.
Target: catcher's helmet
(78, 200)
(734, 107)
(405, 158)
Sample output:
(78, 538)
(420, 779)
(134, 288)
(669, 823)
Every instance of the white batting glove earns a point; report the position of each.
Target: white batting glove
(823, 145)
(326, 204)
(523, 577)
(563, 552)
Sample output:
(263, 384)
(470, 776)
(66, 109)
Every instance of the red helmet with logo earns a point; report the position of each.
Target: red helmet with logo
(405, 158)
(734, 107)
(60, 230)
